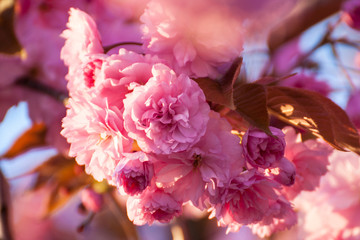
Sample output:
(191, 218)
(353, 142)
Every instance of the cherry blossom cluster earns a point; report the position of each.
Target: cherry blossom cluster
(141, 122)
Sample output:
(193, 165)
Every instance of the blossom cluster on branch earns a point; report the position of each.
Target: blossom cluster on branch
(141, 122)
(161, 106)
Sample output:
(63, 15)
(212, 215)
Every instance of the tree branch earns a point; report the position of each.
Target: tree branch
(305, 15)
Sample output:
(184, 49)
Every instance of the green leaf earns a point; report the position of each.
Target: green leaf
(313, 112)
(9, 43)
(250, 103)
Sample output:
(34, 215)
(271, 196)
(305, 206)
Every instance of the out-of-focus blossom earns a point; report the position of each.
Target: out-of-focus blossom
(186, 174)
(331, 212)
(262, 150)
(353, 108)
(186, 34)
(279, 217)
(152, 205)
(133, 173)
(167, 114)
(310, 159)
(307, 81)
(92, 200)
(351, 14)
(286, 57)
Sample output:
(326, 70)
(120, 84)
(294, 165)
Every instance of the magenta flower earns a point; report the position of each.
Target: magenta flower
(284, 172)
(133, 173)
(195, 37)
(353, 108)
(186, 174)
(167, 114)
(152, 205)
(244, 199)
(262, 150)
(351, 13)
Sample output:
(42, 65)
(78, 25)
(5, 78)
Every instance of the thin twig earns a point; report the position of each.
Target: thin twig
(108, 48)
(34, 84)
(343, 69)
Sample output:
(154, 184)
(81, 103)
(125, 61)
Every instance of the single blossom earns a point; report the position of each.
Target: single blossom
(186, 34)
(244, 199)
(167, 114)
(186, 174)
(152, 205)
(96, 135)
(262, 150)
(134, 172)
(310, 159)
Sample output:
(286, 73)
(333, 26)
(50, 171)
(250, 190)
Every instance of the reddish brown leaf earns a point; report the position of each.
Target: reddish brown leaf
(8, 40)
(213, 92)
(221, 92)
(64, 177)
(229, 79)
(250, 103)
(34, 137)
(316, 113)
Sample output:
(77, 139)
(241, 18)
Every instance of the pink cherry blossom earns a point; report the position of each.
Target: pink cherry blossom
(82, 39)
(186, 34)
(284, 172)
(92, 200)
(244, 199)
(331, 212)
(279, 217)
(340, 187)
(310, 159)
(351, 13)
(286, 57)
(262, 150)
(186, 174)
(133, 173)
(167, 114)
(152, 205)
(353, 108)
(96, 135)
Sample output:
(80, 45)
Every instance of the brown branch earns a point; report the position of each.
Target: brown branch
(306, 14)
(33, 84)
(5, 208)
(108, 48)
